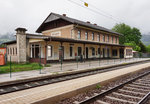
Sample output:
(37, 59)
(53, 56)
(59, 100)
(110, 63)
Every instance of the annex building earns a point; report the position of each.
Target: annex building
(61, 37)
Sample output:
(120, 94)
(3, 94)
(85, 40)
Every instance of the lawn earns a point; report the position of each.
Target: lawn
(15, 67)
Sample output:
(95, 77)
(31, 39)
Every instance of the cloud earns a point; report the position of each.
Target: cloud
(31, 13)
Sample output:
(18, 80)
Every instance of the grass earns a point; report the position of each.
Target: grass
(98, 86)
(17, 67)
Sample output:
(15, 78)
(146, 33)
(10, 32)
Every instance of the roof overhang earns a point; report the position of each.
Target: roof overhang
(60, 39)
(10, 42)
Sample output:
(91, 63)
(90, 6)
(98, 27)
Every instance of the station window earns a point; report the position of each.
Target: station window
(16, 51)
(49, 51)
(13, 51)
(115, 39)
(86, 35)
(79, 34)
(103, 38)
(99, 51)
(114, 52)
(35, 51)
(128, 52)
(8, 51)
(98, 37)
(79, 51)
(93, 51)
(92, 36)
(112, 39)
(71, 51)
(108, 38)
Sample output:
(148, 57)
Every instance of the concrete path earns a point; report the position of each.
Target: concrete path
(53, 90)
(73, 66)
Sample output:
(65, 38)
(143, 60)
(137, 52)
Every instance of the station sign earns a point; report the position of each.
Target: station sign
(3, 51)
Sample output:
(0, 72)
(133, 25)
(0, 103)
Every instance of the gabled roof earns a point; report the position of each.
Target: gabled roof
(54, 16)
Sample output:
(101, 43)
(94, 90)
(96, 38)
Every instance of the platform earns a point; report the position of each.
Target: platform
(66, 67)
(43, 94)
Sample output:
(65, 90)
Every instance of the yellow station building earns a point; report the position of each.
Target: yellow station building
(61, 37)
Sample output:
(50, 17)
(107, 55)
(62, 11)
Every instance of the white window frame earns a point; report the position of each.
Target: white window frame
(51, 51)
(112, 39)
(98, 37)
(103, 38)
(92, 35)
(86, 35)
(79, 34)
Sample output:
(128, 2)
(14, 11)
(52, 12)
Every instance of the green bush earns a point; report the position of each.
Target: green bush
(16, 67)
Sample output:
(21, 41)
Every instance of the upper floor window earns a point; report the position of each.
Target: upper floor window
(79, 34)
(115, 39)
(92, 36)
(103, 38)
(98, 37)
(112, 39)
(86, 35)
(108, 38)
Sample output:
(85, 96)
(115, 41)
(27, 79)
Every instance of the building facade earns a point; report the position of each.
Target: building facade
(64, 38)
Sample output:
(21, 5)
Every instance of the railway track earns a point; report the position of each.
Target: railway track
(133, 91)
(49, 80)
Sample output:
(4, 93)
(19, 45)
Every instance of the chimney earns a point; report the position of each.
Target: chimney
(22, 43)
(21, 30)
(88, 22)
(95, 24)
(64, 15)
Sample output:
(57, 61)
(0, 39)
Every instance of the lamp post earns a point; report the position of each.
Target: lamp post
(10, 67)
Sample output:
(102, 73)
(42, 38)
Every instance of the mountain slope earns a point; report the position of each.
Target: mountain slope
(6, 37)
(146, 39)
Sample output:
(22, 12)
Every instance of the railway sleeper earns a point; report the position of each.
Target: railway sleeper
(120, 100)
(120, 94)
(132, 92)
(133, 88)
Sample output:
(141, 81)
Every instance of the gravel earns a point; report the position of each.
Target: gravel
(81, 96)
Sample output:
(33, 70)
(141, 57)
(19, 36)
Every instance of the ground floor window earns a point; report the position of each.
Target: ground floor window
(71, 51)
(114, 52)
(93, 51)
(35, 51)
(128, 52)
(79, 51)
(49, 51)
(99, 51)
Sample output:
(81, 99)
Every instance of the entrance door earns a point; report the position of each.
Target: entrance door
(79, 51)
(103, 52)
(87, 52)
(61, 52)
(121, 53)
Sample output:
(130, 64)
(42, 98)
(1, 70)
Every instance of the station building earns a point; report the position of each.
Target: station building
(63, 38)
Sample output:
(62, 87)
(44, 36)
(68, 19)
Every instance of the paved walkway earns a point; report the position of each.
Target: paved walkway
(53, 90)
(73, 66)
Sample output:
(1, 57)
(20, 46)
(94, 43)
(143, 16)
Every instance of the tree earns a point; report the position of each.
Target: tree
(148, 48)
(128, 34)
(133, 45)
(143, 47)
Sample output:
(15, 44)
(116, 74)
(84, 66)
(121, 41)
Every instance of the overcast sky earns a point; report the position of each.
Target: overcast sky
(31, 13)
